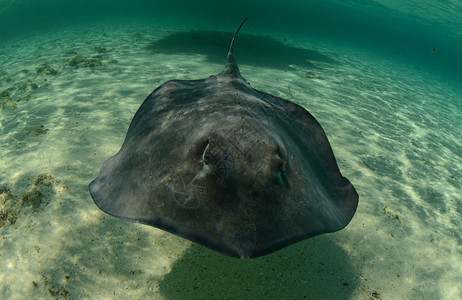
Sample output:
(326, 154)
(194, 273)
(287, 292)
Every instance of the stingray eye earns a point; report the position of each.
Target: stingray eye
(200, 150)
(206, 155)
(282, 179)
(281, 164)
(209, 154)
(281, 176)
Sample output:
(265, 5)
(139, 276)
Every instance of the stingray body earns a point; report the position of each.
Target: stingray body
(229, 167)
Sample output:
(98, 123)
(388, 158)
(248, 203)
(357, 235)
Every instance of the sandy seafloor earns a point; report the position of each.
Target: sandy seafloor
(394, 127)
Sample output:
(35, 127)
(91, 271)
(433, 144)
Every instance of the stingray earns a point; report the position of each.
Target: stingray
(229, 167)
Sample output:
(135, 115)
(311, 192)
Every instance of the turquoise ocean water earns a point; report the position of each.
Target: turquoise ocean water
(382, 77)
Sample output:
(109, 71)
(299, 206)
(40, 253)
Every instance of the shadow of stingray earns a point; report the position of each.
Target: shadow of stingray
(314, 269)
(250, 49)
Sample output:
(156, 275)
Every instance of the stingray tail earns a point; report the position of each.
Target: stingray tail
(231, 68)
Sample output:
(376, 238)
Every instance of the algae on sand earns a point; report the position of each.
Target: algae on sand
(41, 193)
(8, 207)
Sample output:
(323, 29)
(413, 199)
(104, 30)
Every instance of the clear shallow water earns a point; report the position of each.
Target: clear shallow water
(393, 122)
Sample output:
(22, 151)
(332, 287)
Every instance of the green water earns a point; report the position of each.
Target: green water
(410, 29)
